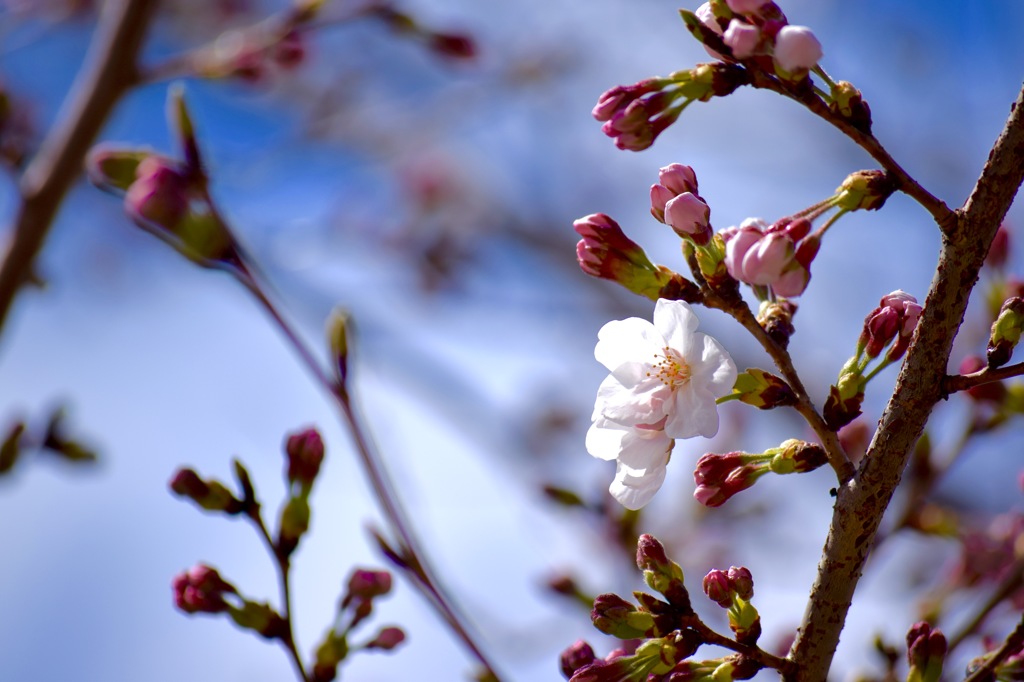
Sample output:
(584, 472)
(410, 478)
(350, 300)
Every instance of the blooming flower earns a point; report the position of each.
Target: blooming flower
(665, 378)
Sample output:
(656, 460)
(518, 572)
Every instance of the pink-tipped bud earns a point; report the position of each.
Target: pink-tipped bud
(718, 588)
(616, 100)
(742, 582)
(688, 216)
(661, 573)
(742, 38)
(678, 178)
(575, 657)
(797, 50)
(305, 451)
(615, 616)
(926, 651)
(895, 318)
(159, 195)
(366, 585)
(387, 639)
(452, 45)
(201, 590)
(719, 477)
(606, 252)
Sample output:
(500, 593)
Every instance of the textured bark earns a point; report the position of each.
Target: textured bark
(109, 72)
(861, 503)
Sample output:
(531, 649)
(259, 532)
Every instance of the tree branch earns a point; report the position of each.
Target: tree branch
(111, 70)
(862, 502)
(962, 382)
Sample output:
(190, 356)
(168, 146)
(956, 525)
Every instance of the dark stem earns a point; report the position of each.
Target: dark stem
(861, 504)
(829, 440)
(110, 72)
(752, 652)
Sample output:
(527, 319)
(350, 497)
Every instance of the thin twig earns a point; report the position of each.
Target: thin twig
(110, 72)
(780, 356)
(284, 583)
(1011, 583)
(1014, 642)
(384, 492)
(962, 382)
(752, 652)
(939, 210)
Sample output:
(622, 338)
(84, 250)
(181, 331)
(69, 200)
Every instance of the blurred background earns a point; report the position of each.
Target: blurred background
(432, 196)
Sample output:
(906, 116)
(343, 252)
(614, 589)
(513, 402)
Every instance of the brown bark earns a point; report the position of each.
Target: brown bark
(110, 71)
(862, 502)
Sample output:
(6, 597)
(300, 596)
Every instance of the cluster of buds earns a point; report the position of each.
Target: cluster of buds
(1006, 331)
(719, 477)
(52, 439)
(662, 626)
(926, 650)
(634, 115)
(201, 589)
(891, 325)
(606, 252)
(356, 605)
(777, 256)
(733, 590)
(675, 202)
(757, 33)
(169, 198)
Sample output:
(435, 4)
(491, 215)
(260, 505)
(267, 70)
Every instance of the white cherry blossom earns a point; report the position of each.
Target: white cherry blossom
(664, 382)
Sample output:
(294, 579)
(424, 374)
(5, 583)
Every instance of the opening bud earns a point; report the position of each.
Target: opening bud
(606, 252)
(615, 616)
(575, 657)
(763, 390)
(201, 590)
(661, 573)
(798, 457)
(1006, 331)
(866, 189)
(848, 102)
(926, 650)
(210, 495)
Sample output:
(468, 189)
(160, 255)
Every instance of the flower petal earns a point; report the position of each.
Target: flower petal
(714, 368)
(693, 413)
(675, 321)
(624, 343)
(634, 492)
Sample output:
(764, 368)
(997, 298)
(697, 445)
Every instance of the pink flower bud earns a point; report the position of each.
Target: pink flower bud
(366, 585)
(575, 657)
(742, 38)
(452, 45)
(387, 639)
(305, 451)
(895, 318)
(201, 590)
(742, 582)
(688, 215)
(765, 261)
(717, 587)
(792, 282)
(159, 195)
(606, 252)
(678, 178)
(796, 49)
(618, 98)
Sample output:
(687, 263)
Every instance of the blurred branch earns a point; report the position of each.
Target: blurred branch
(1012, 645)
(1010, 584)
(861, 503)
(110, 72)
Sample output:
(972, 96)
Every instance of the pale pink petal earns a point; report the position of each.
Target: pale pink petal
(634, 492)
(693, 413)
(675, 322)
